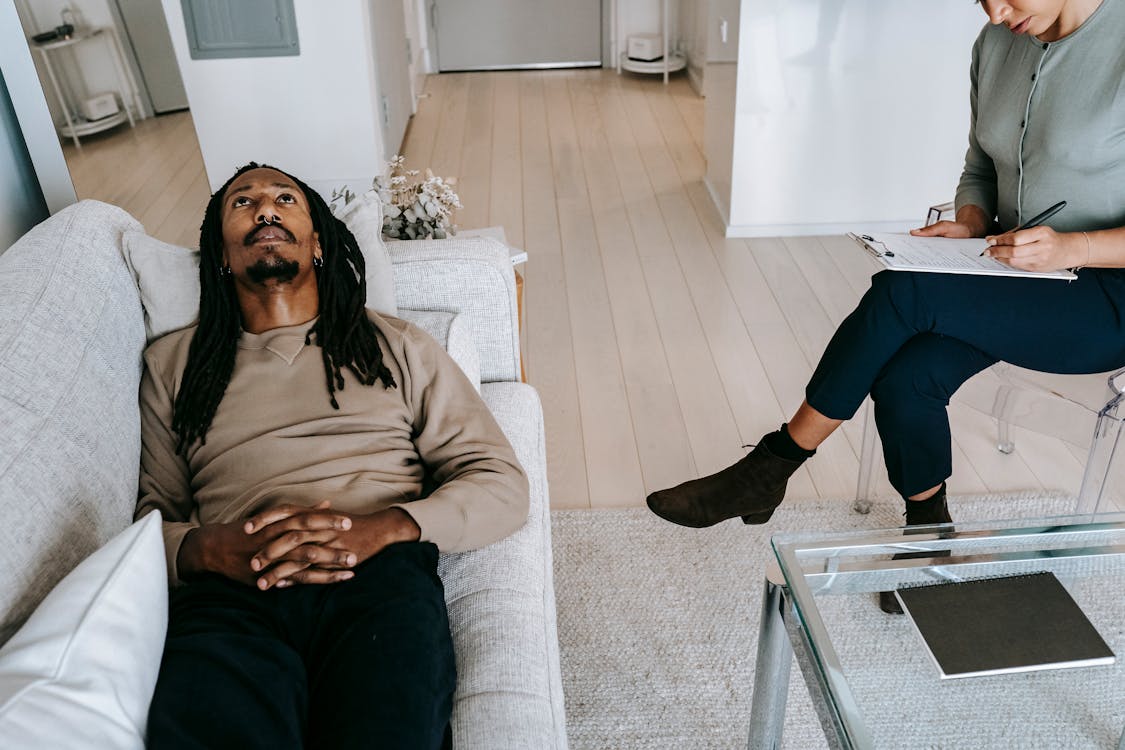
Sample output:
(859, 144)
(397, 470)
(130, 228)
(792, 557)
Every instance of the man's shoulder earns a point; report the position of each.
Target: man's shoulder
(397, 332)
(170, 348)
(387, 323)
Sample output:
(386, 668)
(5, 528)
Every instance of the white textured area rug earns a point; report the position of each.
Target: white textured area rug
(658, 630)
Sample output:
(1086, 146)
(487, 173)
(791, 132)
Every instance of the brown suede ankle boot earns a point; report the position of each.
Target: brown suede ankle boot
(751, 488)
(921, 513)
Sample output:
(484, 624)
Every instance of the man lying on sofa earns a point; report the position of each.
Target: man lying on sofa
(286, 439)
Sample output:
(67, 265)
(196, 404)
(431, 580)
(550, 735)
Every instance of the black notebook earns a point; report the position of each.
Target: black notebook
(1008, 624)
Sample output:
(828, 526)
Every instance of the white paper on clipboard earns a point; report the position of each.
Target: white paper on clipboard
(905, 252)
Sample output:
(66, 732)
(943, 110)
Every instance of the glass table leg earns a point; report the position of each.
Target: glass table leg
(771, 672)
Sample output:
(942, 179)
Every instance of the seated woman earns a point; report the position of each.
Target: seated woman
(1048, 124)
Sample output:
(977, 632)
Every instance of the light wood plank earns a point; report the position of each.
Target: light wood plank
(505, 207)
(666, 455)
(421, 132)
(162, 157)
(612, 462)
(835, 459)
(171, 196)
(550, 344)
(690, 105)
(98, 165)
(747, 390)
(182, 225)
(774, 340)
(714, 434)
(474, 179)
(684, 149)
(445, 160)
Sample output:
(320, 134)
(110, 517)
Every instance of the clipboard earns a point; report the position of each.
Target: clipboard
(905, 252)
(1003, 625)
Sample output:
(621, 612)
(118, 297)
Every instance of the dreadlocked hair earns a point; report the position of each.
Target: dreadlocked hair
(344, 333)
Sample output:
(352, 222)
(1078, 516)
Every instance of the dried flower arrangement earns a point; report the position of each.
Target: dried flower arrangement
(413, 208)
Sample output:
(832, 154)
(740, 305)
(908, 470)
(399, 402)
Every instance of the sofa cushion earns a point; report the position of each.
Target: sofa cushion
(80, 673)
(167, 276)
(71, 336)
(451, 330)
(501, 596)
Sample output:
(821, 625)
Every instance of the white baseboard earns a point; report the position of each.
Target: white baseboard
(720, 205)
(803, 230)
(695, 77)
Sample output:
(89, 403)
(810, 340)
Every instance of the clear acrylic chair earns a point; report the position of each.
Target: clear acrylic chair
(1079, 409)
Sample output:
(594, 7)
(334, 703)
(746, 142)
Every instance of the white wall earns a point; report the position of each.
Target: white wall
(314, 115)
(694, 25)
(418, 35)
(849, 113)
(21, 201)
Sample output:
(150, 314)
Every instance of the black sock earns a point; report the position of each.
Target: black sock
(781, 445)
(930, 510)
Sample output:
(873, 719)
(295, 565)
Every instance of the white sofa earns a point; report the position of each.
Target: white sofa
(71, 337)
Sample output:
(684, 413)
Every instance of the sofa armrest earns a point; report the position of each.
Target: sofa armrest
(502, 609)
(71, 336)
(473, 276)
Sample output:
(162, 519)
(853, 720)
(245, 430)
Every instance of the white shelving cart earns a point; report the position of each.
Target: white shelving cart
(670, 61)
(75, 125)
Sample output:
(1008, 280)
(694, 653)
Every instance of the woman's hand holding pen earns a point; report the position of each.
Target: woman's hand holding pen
(1038, 249)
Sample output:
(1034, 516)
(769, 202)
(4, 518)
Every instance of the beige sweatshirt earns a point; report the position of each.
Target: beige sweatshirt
(276, 439)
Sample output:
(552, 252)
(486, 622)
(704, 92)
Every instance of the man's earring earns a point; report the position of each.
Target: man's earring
(224, 270)
(318, 262)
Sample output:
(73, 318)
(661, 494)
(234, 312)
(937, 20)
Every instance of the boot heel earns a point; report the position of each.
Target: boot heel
(756, 518)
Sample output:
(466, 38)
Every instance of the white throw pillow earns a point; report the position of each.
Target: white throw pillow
(81, 671)
(168, 275)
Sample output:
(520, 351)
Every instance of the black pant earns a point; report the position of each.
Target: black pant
(916, 337)
(364, 663)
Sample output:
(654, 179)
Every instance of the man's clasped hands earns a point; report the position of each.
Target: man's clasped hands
(291, 544)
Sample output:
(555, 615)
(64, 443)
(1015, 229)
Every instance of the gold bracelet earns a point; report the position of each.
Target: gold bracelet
(1088, 251)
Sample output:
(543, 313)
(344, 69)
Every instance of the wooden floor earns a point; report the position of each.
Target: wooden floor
(153, 171)
(659, 347)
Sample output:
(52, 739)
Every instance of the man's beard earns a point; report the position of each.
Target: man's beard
(273, 268)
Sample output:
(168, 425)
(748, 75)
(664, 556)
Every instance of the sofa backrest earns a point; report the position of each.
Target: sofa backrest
(71, 337)
(472, 276)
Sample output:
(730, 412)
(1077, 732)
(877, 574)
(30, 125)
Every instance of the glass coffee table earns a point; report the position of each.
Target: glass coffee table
(872, 680)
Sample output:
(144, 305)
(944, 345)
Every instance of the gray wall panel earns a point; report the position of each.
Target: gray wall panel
(240, 28)
(22, 205)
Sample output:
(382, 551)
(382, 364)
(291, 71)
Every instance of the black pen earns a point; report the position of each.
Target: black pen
(1036, 220)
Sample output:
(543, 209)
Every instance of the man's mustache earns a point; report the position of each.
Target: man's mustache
(252, 236)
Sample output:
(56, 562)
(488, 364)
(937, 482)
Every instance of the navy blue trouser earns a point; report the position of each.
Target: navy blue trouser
(916, 337)
(364, 663)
